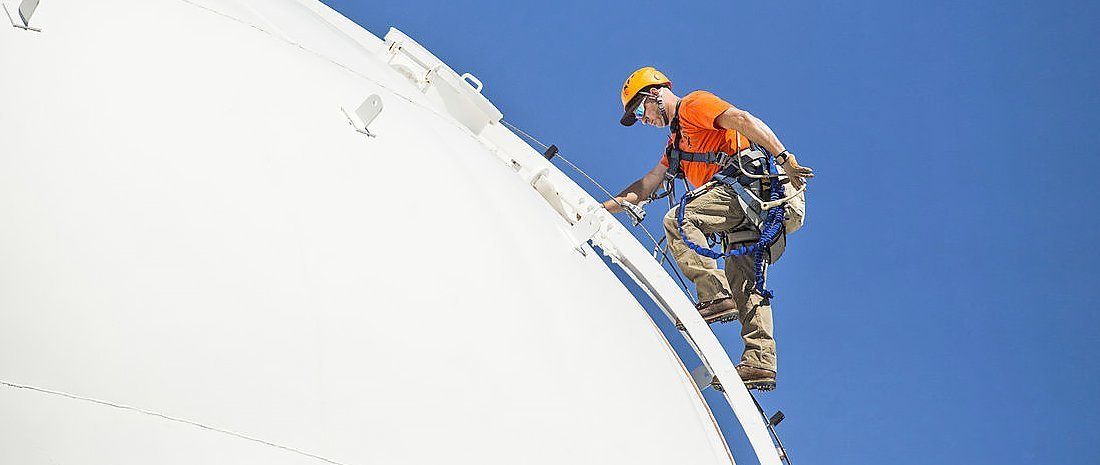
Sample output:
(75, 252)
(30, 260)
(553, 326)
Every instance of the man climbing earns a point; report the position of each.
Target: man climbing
(710, 141)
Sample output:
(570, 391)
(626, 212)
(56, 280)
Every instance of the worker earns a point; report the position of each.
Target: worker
(701, 125)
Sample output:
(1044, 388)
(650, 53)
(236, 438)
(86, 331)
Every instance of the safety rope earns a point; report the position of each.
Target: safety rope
(769, 230)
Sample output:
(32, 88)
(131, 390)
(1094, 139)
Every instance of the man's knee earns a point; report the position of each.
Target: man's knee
(670, 220)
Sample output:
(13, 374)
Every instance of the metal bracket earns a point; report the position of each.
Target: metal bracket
(473, 81)
(583, 231)
(26, 10)
(702, 377)
(365, 114)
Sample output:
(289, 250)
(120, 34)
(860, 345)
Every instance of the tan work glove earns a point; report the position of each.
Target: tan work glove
(794, 171)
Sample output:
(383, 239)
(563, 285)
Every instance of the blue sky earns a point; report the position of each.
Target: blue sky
(939, 306)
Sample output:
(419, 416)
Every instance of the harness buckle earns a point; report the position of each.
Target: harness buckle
(722, 159)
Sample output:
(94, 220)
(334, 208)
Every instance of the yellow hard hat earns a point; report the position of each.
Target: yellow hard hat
(634, 84)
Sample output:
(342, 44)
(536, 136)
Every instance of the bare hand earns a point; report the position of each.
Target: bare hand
(613, 205)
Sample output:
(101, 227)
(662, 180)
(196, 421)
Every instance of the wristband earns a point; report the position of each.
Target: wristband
(782, 157)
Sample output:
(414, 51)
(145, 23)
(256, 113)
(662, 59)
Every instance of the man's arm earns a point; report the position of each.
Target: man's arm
(745, 123)
(638, 190)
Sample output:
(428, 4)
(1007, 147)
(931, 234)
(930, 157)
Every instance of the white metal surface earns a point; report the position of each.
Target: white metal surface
(24, 12)
(188, 227)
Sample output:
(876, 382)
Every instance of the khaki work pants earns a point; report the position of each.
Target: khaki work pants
(715, 211)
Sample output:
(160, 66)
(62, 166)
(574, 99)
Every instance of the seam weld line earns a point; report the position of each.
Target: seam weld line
(169, 418)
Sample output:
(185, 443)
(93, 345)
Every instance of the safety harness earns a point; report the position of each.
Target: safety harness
(759, 188)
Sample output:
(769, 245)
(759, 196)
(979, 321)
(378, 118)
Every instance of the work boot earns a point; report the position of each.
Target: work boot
(724, 309)
(756, 378)
(718, 311)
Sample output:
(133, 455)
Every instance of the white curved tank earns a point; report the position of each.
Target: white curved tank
(193, 233)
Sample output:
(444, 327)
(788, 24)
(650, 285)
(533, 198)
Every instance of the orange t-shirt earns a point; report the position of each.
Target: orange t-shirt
(698, 110)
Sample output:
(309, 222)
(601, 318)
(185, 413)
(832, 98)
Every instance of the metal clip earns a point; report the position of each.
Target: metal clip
(26, 10)
(636, 212)
(365, 114)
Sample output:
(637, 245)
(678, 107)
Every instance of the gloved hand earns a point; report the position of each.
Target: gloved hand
(794, 171)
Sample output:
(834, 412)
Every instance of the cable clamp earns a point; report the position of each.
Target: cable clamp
(636, 212)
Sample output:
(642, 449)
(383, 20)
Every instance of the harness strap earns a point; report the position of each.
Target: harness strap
(714, 158)
(673, 152)
(748, 204)
(770, 226)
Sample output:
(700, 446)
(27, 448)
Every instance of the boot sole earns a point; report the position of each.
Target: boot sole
(724, 317)
(721, 318)
(761, 384)
(758, 384)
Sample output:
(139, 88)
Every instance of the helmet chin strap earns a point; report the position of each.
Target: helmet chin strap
(661, 106)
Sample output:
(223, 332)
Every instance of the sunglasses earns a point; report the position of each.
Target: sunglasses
(639, 111)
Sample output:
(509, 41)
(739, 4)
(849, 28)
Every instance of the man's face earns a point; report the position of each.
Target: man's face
(652, 115)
